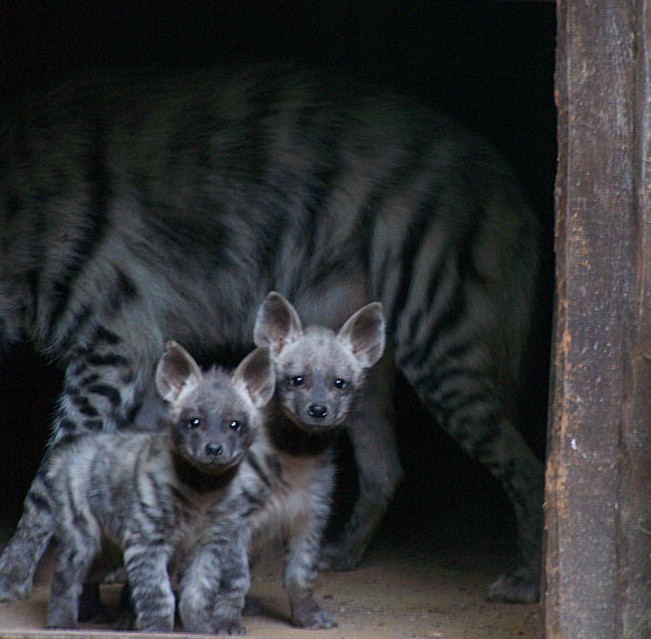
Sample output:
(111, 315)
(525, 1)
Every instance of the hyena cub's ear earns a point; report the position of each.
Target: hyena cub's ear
(364, 331)
(276, 324)
(176, 371)
(257, 374)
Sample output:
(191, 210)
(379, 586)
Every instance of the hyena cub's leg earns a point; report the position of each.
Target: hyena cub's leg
(370, 426)
(301, 568)
(214, 585)
(234, 584)
(102, 391)
(153, 599)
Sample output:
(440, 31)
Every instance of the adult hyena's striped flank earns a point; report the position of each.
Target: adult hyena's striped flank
(135, 211)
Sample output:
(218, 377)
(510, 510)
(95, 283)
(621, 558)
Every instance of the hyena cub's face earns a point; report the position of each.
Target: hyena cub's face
(214, 415)
(318, 370)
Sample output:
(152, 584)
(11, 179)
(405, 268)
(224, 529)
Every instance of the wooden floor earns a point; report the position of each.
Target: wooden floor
(404, 589)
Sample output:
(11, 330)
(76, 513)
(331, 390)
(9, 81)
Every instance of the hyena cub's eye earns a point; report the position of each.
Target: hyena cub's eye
(235, 425)
(193, 423)
(340, 383)
(299, 380)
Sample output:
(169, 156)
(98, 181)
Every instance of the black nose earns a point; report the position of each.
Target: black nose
(214, 449)
(317, 410)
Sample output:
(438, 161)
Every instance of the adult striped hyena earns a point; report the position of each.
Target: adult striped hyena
(161, 496)
(319, 373)
(138, 210)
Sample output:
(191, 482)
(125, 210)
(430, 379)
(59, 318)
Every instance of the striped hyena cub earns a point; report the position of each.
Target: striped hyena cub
(318, 372)
(165, 497)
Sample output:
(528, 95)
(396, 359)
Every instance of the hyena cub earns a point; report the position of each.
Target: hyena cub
(165, 497)
(318, 373)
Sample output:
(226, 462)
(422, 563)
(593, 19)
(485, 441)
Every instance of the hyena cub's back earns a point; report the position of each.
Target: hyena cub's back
(165, 496)
(318, 373)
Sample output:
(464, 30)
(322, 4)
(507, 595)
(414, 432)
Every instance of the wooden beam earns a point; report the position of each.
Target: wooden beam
(635, 452)
(598, 500)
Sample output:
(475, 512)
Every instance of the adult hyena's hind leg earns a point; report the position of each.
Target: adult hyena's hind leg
(104, 386)
(467, 405)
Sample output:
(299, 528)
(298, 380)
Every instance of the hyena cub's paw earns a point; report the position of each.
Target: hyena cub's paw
(517, 587)
(12, 591)
(233, 627)
(61, 618)
(307, 614)
(15, 583)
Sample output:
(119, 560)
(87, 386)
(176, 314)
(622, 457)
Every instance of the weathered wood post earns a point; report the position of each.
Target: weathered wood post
(598, 500)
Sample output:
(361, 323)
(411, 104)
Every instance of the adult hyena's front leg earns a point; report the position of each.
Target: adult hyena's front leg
(371, 429)
(21, 556)
(103, 390)
(74, 560)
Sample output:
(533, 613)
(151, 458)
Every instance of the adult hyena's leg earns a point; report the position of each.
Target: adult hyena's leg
(468, 407)
(103, 390)
(371, 429)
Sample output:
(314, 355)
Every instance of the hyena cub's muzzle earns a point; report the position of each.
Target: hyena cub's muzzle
(315, 404)
(213, 448)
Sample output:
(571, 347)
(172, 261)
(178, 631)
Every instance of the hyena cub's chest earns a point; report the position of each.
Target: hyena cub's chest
(300, 485)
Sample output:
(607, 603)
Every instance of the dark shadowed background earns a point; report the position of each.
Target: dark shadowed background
(488, 64)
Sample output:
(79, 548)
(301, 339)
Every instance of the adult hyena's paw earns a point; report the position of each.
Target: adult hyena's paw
(521, 586)
(336, 557)
(252, 607)
(308, 615)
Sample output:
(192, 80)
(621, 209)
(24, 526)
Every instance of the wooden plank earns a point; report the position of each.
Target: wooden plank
(596, 285)
(635, 499)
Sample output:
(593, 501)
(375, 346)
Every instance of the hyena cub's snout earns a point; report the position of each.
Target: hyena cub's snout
(319, 411)
(319, 371)
(214, 416)
(215, 446)
(316, 400)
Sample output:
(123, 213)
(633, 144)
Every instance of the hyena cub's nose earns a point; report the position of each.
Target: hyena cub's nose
(214, 449)
(317, 410)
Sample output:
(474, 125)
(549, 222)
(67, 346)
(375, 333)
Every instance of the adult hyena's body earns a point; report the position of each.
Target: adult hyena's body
(133, 212)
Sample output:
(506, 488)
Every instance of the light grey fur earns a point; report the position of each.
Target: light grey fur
(331, 368)
(165, 499)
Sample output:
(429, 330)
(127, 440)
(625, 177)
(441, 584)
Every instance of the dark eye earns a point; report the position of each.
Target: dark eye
(340, 383)
(235, 425)
(299, 380)
(193, 423)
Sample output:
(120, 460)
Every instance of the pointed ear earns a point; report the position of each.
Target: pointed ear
(365, 332)
(257, 374)
(276, 324)
(176, 371)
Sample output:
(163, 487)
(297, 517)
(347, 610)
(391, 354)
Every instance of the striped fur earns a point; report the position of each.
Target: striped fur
(318, 374)
(133, 211)
(165, 498)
